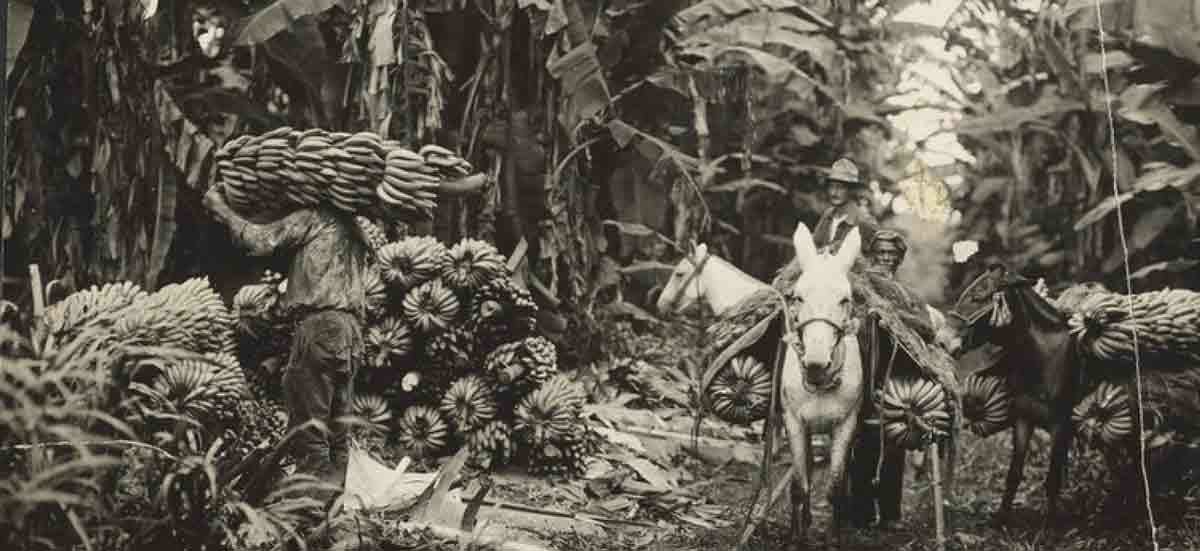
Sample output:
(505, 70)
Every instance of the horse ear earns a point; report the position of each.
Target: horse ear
(850, 249)
(802, 240)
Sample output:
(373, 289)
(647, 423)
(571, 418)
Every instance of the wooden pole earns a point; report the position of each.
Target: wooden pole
(938, 509)
(776, 493)
(35, 284)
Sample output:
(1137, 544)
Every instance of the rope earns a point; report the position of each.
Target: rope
(768, 429)
(1137, 361)
(878, 408)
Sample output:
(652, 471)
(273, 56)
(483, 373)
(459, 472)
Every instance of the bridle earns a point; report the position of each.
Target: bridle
(837, 360)
(697, 267)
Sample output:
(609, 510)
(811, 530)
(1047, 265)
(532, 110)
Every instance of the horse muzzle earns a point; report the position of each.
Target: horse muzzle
(820, 375)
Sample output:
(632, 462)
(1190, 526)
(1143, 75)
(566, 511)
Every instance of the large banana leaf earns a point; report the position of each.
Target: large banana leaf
(281, 16)
(779, 33)
(1146, 228)
(711, 13)
(584, 89)
(1011, 118)
(1155, 180)
(20, 15)
(780, 74)
(1145, 104)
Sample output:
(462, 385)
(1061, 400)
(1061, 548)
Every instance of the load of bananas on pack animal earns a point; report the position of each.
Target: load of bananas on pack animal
(452, 357)
(200, 378)
(283, 169)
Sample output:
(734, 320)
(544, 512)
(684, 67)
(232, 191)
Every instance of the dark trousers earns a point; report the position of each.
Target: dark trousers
(319, 385)
(864, 494)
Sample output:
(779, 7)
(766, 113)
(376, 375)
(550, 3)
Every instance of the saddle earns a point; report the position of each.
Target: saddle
(902, 316)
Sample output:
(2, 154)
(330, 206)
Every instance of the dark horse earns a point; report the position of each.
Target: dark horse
(1040, 364)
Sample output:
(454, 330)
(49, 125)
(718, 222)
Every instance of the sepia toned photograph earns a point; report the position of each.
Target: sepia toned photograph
(600, 275)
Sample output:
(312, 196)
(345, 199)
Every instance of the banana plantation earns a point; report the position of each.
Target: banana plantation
(600, 274)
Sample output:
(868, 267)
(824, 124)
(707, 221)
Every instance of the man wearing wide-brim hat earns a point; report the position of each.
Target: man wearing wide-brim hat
(847, 197)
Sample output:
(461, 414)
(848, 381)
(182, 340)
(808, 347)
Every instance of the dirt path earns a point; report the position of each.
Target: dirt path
(981, 471)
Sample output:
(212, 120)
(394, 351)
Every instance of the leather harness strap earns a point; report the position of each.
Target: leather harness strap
(697, 267)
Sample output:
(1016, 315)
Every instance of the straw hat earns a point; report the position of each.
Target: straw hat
(845, 171)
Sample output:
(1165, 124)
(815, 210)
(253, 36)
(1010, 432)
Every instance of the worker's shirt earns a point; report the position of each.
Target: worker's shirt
(328, 258)
(836, 223)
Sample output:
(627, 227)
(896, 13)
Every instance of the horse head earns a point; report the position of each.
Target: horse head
(820, 304)
(1002, 307)
(684, 289)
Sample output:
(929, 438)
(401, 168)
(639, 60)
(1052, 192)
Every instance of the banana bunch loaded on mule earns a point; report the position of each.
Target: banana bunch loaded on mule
(313, 195)
(1067, 364)
(853, 355)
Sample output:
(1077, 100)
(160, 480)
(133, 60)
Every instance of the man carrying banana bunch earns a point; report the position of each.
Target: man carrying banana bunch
(326, 301)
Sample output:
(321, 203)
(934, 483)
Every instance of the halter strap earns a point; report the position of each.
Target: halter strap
(837, 366)
(838, 359)
(697, 267)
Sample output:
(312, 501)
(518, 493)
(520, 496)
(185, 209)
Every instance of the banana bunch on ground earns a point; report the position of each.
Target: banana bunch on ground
(450, 344)
(388, 341)
(469, 404)
(412, 261)
(261, 423)
(986, 404)
(263, 336)
(350, 171)
(741, 393)
(371, 408)
(491, 444)
(453, 349)
(915, 411)
(549, 426)
(527, 363)
(501, 311)
(189, 316)
(566, 456)
(432, 306)
(1105, 416)
(1167, 324)
(472, 264)
(206, 390)
(376, 291)
(66, 316)
(422, 431)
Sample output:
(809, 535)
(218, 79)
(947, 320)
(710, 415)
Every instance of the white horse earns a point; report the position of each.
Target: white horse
(703, 277)
(822, 378)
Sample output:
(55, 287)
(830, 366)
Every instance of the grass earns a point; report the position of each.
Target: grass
(1083, 526)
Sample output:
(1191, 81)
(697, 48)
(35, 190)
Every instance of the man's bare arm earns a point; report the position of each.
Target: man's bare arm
(260, 239)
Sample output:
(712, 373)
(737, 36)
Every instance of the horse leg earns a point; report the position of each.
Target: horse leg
(839, 448)
(1022, 430)
(801, 511)
(1060, 438)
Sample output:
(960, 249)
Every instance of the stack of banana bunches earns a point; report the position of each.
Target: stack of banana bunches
(452, 358)
(200, 378)
(914, 410)
(1167, 325)
(352, 172)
